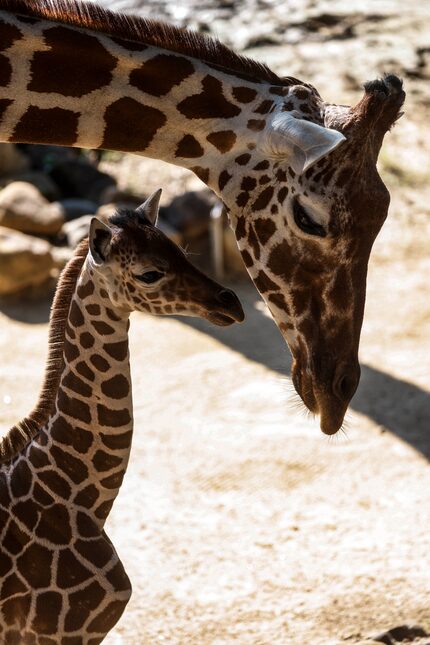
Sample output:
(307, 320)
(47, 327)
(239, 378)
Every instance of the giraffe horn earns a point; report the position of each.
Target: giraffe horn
(302, 142)
(149, 209)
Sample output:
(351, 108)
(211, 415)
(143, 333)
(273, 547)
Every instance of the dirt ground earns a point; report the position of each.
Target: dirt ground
(238, 521)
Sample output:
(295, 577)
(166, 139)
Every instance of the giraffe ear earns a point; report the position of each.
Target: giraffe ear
(100, 237)
(302, 142)
(149, 209)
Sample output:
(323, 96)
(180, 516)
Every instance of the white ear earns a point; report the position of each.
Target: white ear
(149, 208)
(302, 142)
(100, 237)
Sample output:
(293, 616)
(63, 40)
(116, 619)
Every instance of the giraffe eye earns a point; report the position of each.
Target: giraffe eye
(150, 277)
(304, 222)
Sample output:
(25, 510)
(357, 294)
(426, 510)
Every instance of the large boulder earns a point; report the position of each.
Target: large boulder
(23, 208)
(78, 178)
(40, 180)
(24, 261)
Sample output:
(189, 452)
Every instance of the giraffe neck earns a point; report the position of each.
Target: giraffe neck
(133, 98)
(88, 435)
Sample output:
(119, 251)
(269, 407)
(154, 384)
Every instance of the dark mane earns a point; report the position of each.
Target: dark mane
(24, 431)
(150, 32)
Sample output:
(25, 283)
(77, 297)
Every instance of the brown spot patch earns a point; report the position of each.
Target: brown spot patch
(248, 183)
(15, 539)
(27, 513)
(224, 178)
(87, 497)
(302, 93)
(264, 107)
(83, 369)
(247, 258)
(56, 483)
(244, 94)
(8, 35)
(102, 328)
(253, 241)
(106, 619)
(35, 566)
(4, 104)
(99, 363)
(73, 407)
(21, 478)
(242, 199)
(130, 125)
(256, 125)
(113, 418)
(264, 229)
(86, 340)
(262, 165)
(240, 230)
(76, 470)
(70, 572)
(209, 104)
(202, 173)
(113, 481)
(264, 283)
(93, 309)
(41, 496)
(54, 525)
(116, 387)
(5, 71)
(48, 610)
(280, 262)
(12, 585)
(263, 199)
(282, 193)
(118, 351)
(73, 382)
(223, 140)
(75, 315)
(117, 441)
(54, 126)
(242, 160)
(161, 73)
(99, 552)
(65, 45)
(81, 604)
(189, 147)
(104, 461)
(278, 300)
(85, 290)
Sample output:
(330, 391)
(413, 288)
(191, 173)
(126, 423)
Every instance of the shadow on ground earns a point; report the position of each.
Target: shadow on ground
(394, 404)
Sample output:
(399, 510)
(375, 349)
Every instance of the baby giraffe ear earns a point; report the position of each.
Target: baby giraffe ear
(100, 237)
(302, 142)
(149, 209)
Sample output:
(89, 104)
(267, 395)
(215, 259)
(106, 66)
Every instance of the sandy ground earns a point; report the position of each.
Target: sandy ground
(238, 522)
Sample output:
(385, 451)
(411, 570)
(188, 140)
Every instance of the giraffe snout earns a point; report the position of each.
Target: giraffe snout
(346, 380)
(230, 304)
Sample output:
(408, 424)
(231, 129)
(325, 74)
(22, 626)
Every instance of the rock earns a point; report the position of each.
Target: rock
(24, 261)
(12, 160)
(78, 178)
(40, 180)
(75, 208)
(189, 213)
(23, 208)
(61, 255)
(76, 230)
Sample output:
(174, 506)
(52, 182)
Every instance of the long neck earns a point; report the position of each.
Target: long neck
(75, 87)
(88, 435)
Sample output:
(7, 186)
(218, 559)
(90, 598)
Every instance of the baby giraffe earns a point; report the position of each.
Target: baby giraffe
(62, 466)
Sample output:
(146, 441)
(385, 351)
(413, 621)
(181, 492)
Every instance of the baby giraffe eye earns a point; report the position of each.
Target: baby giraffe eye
(149, 277)
(304, 222)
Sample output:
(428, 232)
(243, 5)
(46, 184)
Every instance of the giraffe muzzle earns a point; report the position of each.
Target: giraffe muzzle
(229, 309)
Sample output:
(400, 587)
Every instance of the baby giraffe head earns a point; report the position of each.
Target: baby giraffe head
(142, 270)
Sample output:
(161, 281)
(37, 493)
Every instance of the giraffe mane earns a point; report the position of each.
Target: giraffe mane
(149, 32)
(24, 431)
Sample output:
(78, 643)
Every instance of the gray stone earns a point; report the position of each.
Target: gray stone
(189, 213)
(39, 179)
(23, 208)
(76, 230)
(74, 208)
(25, 261)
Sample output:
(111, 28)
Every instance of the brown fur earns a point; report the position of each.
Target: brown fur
(26, 430)
(150, 32)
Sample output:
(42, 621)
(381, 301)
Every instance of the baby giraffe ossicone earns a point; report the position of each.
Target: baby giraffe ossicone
(62, 466)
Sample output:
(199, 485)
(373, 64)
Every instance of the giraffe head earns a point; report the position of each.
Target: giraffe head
(142, 270)
(305, 215)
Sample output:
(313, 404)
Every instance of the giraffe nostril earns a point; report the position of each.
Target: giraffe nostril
(345, 382)
(227, 297)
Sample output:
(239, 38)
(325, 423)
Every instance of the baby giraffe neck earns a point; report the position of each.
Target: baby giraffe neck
(88, 435)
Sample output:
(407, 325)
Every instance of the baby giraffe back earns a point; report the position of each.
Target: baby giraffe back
(62, 580)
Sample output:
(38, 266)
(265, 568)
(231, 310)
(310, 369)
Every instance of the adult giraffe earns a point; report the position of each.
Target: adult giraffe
(297, 175)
